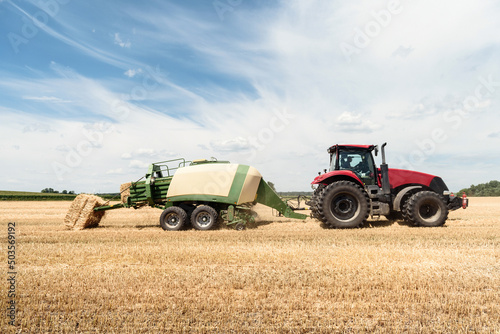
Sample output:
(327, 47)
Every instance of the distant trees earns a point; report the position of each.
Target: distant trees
(271, 185)
(491, 188)
(52, 191)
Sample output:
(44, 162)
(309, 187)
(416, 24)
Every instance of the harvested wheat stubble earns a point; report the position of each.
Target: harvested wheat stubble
(125, 191)
(81, 213)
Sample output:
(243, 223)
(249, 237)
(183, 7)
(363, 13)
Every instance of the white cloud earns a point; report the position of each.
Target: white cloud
(146, 152)
(402, 51)
(45, 99)
(138, 164)
(397, 89)
(237, 144)
(38, 127)
(117, 171)
(351, 122)
(132, 72)
(121, 43)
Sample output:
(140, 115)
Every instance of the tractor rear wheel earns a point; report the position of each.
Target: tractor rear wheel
(173, 218)
(313, 203)
(343, 204)
(426, 208)
(204, 218)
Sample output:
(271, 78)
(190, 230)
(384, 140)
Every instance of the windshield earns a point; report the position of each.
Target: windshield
(358, 161)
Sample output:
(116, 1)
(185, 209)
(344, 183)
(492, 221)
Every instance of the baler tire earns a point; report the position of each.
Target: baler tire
(240, 227)
(343, 204)
(173, 218)
(204, 218)
(189, 208)
(427, 209)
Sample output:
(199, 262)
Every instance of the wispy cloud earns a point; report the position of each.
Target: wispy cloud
(121, 43)
(352, 122)
(237, 144)
(132, 72)
(51, 99)
(200, 86)
(38, 127)
(117, 171)
(88, 49)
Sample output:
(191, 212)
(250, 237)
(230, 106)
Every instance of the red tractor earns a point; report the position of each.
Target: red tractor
(355, 188)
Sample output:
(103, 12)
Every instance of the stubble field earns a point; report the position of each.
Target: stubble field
(281, 276)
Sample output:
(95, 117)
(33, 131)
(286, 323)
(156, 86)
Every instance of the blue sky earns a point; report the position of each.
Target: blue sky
(93, 91)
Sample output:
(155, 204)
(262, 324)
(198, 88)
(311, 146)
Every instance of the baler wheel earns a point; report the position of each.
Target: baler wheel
(240, 227)
(204, 218)
(173, 218)
(343, 204)
(427, 208)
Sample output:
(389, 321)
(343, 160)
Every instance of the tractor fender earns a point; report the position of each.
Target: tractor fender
(338, 175)
(397, 201)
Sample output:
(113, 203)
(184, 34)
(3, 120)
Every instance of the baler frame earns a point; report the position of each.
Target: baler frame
(153, 191)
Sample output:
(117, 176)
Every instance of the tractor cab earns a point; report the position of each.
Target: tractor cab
(355, 158)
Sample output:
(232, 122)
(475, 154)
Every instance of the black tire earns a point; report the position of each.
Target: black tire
(204, 218)
(173, 218)
(189, 208)
(240, 227)
(313, 203)
(426, 208)
(343, 204)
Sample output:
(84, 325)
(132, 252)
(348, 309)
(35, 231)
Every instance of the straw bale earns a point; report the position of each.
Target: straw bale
(81, 213)
(125, 191)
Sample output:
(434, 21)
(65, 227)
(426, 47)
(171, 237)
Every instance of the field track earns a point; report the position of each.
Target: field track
(283, 275)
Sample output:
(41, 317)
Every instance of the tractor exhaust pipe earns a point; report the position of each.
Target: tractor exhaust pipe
(384, 170)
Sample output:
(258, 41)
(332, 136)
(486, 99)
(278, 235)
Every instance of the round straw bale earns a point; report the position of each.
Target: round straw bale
(81, 213)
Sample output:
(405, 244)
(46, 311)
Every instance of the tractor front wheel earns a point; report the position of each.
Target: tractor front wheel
(173, 218)
(204, 218)
(426, 208)
(343, 204)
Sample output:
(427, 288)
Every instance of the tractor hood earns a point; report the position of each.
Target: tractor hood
(397, 178)
(401, 177)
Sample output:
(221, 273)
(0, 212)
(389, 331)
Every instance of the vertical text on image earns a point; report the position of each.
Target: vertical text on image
(11, 273)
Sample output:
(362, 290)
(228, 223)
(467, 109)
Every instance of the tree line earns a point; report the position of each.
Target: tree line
(52, 191)
(491, 188)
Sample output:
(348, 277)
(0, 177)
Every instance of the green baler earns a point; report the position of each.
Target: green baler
(200, 192)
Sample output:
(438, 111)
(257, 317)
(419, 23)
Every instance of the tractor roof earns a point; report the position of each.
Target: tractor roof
(350, 147)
